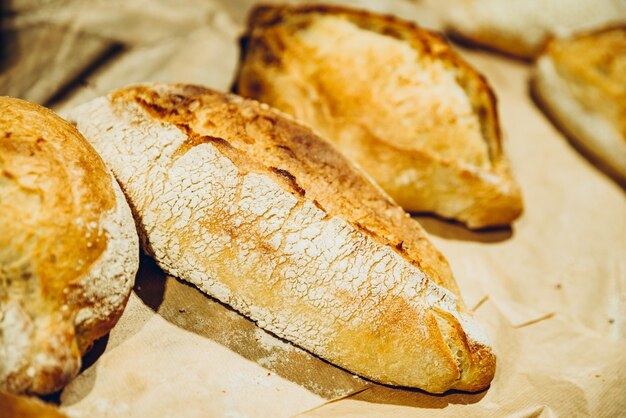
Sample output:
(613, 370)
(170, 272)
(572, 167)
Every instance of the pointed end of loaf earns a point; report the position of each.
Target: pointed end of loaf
(499, 206)
(469, 346)
(481, 370)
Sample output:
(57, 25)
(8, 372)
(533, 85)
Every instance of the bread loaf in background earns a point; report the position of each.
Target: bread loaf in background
(68, 248)
(521, 27)
(262, 214)
(393, 97)
(581, 83)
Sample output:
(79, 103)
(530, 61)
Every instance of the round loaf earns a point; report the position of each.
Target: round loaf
(68, 248)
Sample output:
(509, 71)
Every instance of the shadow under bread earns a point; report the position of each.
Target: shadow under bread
(417, 398)
(185, 306)
(453, 230)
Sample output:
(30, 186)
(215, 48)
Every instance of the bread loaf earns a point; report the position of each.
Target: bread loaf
(521, 27)
(68, 248)
(393, 97)
(262, 214)
(581, 82)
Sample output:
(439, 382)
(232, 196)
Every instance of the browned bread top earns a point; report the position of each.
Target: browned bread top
(298, 159)
(287, 21)
(393, 97)
(63, 238)
(266, 216)
(42, 155)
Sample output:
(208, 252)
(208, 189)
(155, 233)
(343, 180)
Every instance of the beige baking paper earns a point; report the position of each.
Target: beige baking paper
(551, 291)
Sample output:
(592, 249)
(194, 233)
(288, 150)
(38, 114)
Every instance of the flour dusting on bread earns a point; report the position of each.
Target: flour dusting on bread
(232, 197)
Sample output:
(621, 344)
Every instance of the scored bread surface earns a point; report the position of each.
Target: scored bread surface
(257, 211)
(393, 97)
(581, 81)
(68, 248)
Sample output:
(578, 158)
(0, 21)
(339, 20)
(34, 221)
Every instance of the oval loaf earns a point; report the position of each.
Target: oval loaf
(262, 214)
(393, 97)
(68, 248)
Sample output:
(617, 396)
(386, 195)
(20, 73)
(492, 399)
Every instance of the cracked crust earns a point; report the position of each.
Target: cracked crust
(393, 97)
(257, 211)
(582, 83)
(68, 251)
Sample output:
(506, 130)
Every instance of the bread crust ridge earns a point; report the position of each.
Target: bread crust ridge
(259, 212)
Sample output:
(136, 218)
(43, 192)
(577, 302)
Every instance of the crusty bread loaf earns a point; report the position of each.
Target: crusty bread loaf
(393, 97)
(520, 27)
(581, 81)
(262, 214)
(68, 248)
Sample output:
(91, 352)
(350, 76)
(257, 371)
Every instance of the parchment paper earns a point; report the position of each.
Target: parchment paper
(551, 290)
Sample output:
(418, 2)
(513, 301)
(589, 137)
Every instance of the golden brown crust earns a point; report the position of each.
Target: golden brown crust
(39, 157)
(472, 185)
(277, 224)
(56, 194)
(299, 160)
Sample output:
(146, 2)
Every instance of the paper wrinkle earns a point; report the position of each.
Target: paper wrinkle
(534, 321)
(538, 411)
(340, 398)
(480, 303)
(517, 314)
